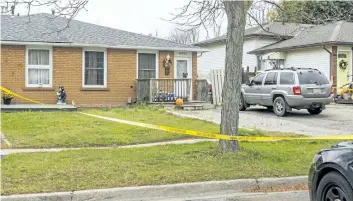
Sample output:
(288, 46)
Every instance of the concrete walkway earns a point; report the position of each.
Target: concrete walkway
(190, 141)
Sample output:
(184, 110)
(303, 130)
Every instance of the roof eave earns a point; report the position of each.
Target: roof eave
(298, 47)
(104, 46)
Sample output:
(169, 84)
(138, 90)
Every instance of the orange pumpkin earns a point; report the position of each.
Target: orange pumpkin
(179, 101)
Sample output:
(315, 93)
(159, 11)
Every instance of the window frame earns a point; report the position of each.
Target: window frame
(105, 66)
(252, 81)
(142, 51)
(49, 67)
(276, 78)
(294, 78)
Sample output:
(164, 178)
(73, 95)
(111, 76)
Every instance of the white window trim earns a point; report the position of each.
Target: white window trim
(147, 52)
(104, 50)
(50, 48)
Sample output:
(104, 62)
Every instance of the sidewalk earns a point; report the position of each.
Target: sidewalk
(190, 141)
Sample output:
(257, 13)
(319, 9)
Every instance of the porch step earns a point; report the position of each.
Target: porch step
(191, 107)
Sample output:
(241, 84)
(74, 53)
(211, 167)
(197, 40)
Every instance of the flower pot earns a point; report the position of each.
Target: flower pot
(7, 101)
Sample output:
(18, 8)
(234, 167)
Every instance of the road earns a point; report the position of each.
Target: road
(335, 120)
(282, 196)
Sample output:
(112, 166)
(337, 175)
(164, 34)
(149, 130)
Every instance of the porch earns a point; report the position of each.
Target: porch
(164, 90)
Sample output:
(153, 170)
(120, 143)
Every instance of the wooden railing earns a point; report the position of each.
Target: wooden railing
(163, 90)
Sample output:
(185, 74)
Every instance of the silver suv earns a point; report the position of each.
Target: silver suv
(285, 89)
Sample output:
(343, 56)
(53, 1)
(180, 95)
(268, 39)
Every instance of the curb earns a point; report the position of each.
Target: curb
(162, 191)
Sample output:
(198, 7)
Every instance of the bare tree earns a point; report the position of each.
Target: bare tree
(184, 36)
(155, 34)
(60, 8)
(217, 30)
(205, 14)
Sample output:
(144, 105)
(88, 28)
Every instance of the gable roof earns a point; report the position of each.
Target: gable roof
(339, 33)
(45, 28)
(273, 29)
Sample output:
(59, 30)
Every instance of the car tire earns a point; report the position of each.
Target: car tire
(315, 111)
(242, 103)
(333, 186)
(279, 106)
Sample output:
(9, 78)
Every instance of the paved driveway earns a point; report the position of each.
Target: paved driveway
(335, 120)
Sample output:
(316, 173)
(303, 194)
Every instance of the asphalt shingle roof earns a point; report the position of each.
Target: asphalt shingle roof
(44, 27)
(340, 32)
(273, 29)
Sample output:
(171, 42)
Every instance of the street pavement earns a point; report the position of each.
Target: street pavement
(281, 196)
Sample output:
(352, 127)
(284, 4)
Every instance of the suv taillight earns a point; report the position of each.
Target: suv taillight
(332, 90)
(296, 90)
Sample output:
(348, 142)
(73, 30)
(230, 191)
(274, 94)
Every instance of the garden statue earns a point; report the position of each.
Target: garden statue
(61, 95)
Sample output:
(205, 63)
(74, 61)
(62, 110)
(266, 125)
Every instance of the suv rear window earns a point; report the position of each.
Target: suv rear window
(312, 77)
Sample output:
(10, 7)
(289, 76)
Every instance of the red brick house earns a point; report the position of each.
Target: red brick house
(98, 66)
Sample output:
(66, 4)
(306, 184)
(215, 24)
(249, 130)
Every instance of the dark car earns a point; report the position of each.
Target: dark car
(331, 174)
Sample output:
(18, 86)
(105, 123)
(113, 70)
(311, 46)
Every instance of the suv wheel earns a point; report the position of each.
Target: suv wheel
(279, 106)
(333, 187)
(242, 104)
(315, 111)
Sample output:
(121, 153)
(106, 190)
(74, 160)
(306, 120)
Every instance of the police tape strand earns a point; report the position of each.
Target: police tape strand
(197, 133)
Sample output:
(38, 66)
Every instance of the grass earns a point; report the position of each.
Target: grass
(159, 116)
(71, 129)
(92, 169)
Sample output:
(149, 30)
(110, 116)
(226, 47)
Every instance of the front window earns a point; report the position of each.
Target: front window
(94, 68)
(146, 66)
(258, 79)
(39, 68)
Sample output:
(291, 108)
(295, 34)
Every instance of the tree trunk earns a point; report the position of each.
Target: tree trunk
(236, 13)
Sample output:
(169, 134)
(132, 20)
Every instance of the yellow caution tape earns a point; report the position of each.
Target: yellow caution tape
(204, 134)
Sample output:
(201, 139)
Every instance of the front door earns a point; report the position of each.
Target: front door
(344, 67)
(182, 86)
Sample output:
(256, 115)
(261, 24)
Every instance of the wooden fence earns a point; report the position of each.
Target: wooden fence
(217, 79)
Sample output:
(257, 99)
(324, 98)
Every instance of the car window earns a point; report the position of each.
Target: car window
(286, 78)
(258, 79)
(312, 77)
(271, 78)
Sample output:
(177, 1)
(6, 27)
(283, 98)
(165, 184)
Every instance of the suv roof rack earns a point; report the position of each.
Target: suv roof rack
(293, 69)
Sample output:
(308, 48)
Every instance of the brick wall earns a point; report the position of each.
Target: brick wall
(67, 71)
(162, 56)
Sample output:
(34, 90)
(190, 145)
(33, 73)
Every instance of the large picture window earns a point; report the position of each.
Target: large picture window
(94, 69)
(39, 67)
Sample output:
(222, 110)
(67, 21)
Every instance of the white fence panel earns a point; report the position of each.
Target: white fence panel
(217, 79)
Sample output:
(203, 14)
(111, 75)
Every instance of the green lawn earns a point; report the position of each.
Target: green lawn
(71, 129)
(92, 169)
(159, 116)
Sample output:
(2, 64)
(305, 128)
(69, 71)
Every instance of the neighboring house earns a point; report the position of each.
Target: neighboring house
(254, 38)
(325, 47)
(98, 66)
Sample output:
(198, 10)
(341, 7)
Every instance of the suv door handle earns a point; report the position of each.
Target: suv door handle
(274, 87)
(258, 88)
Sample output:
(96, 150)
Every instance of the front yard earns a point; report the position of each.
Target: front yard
(71, 129)
(92, 169)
